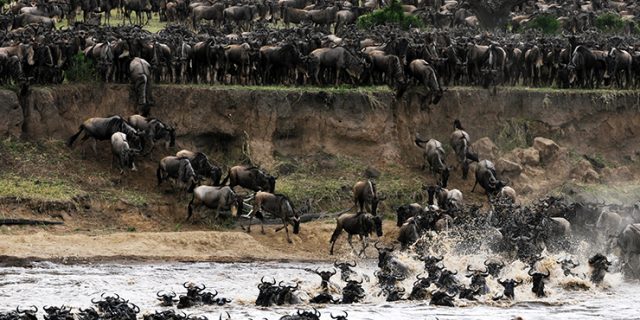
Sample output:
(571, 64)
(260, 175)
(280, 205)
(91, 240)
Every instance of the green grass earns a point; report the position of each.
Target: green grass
(514, 134)
(37, 188)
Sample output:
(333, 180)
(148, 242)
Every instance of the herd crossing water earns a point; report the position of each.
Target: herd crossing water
(75, 285)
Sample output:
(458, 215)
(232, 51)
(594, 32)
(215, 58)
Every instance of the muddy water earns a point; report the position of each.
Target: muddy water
(75, 285)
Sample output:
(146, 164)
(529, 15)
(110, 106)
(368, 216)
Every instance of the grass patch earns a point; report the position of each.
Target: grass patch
(609, 22)
(514, 134)
(35, 188)
(546, 23)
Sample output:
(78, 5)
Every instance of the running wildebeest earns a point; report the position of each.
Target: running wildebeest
(460, 143)
(486, 177)
(433, 155)
(251, 178)
(202, 165)
(361, 224)
(179, 169)
(278, 205)
(122, 153)
(155, 130)
(103, 129)
(365, 193)
(140, 75)
(217, 198)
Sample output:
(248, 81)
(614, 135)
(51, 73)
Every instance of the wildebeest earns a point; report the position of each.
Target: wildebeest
(103, 129)
(337, 59)
(434, 156)
(179, 169)
(629, 244)
(278, 205)
(212, 13)
(407, 211)
(202, 165)
(365, 194)
(486, 177)
(509, 286)
(361, 224)
(599, 266)
(408, 233)
(155, 130)
(460, 143)
(425, 74)
(217, 198)
(122, 153)
(538, 282)
(140, 75)
(251, 178)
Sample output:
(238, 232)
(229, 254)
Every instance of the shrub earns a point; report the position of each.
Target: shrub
(81, 69)
(548, 24)
(609, 22)
(392, 14)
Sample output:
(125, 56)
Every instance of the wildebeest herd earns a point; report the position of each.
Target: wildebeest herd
(241, 47)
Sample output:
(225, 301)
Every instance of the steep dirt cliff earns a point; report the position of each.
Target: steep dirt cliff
(361, 124)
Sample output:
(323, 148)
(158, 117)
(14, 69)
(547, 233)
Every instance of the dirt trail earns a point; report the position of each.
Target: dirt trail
(312, 244)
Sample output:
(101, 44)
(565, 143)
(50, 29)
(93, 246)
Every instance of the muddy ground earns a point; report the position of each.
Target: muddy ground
(318, 141)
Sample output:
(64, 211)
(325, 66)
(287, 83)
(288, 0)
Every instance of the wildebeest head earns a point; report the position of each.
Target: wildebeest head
(600, 265)
(442, 298)
(478, 279)
(28, 314)
(340, 317)
(538, 282)
(509, 286)
(166, 298)
(384, 254)
(493, 266)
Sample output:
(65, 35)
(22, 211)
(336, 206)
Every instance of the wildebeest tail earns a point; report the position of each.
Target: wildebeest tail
(73, 138)
(472, 156)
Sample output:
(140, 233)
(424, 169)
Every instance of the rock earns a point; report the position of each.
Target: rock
(371, 172)
(546, 147)
(508, 168)
(485, 148)
(583, 171)
(12, 117)
(618, 174)
(528, 156)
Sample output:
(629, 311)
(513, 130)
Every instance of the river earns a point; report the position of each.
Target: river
(75, 285)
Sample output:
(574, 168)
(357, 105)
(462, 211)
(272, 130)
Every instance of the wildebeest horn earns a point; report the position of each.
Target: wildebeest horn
(334, 271)
(502, 282)
(454, 273)
(200, 289)
(352, 266)
(419, 278)
(530, 271)
(548, 273)
(316, 312)
(185, 285)
(469, 268)
(440, 258)
(158, 293)
(335, 264)
(376, 245)
(92, 301)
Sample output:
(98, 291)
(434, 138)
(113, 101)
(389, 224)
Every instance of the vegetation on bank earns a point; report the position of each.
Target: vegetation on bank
(392, 14)
(546, 23)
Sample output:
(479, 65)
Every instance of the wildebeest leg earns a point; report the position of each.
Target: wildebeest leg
(95, 147)
(349, 238)
(337, 76)
(286, 230)
(365, 243)
(334, 238)
(474, 186)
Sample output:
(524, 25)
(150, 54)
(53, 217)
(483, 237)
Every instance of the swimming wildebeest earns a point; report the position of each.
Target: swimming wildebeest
(460, 143)
(201, 164)
(251, 178)
(278, 205)
(155, 130)
(122, 153)
(361, 224)
(179, 169)
(433, 154)
(365, 193)
(103, 129)
(217, 198)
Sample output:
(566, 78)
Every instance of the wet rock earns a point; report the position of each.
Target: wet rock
(509, 168)
(485, 148)
(546, 147)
